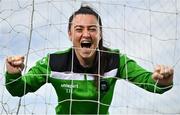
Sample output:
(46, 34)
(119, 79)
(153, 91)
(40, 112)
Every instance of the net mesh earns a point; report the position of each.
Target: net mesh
(145, 30)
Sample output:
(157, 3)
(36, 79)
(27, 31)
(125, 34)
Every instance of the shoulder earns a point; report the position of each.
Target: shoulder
(61, 55)
(54, 56)
(60, 60)
(61, 52)
(110, 50)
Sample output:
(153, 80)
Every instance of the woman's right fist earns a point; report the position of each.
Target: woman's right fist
(14, 64)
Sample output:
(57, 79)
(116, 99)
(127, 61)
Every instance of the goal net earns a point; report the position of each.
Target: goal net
(147, 31)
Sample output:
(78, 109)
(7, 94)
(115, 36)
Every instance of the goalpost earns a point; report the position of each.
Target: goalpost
(144, 30)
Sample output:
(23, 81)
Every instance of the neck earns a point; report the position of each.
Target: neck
(86, 62)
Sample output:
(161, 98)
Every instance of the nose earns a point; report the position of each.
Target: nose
(86, 33)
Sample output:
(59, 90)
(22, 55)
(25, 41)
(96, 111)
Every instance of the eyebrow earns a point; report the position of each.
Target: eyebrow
(83, 26)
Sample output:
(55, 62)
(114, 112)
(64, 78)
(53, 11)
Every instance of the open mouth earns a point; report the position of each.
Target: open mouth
(86, 44)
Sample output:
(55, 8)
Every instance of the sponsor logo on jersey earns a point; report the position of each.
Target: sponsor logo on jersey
(69, 85)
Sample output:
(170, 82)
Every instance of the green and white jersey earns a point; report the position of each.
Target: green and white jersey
(75, 85)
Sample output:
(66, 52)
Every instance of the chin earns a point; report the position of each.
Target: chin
(87, 55)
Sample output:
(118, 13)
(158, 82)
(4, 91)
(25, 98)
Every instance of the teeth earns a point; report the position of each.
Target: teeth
(86, 42)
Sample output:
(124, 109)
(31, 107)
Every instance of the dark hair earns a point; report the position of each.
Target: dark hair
(89, 10)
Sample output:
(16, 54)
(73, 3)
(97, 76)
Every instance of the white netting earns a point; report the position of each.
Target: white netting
(145, 30)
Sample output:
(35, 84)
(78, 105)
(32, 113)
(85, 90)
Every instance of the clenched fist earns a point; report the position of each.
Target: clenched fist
(164, 75)
(14, 64)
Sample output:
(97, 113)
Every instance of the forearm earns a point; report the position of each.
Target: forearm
(15, 85)
(130, 70)
(19, 85)
(146, 82)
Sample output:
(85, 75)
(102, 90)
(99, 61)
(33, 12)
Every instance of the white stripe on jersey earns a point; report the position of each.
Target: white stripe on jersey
(80, 76)
(70, 76)
(111, 73)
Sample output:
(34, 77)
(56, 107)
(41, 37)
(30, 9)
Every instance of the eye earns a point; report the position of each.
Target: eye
(93, 29)
(78, 29)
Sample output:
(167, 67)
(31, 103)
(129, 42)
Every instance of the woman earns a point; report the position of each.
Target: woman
(84, 76)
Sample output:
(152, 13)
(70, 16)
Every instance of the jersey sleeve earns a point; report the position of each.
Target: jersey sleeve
(19, 85)
(134, 73)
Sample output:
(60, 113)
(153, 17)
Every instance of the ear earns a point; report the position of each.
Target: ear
(70, 35)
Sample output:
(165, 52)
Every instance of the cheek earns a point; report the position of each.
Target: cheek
(97, 38)
(75, 39)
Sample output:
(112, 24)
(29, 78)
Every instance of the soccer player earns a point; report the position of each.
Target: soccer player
(84, 76)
